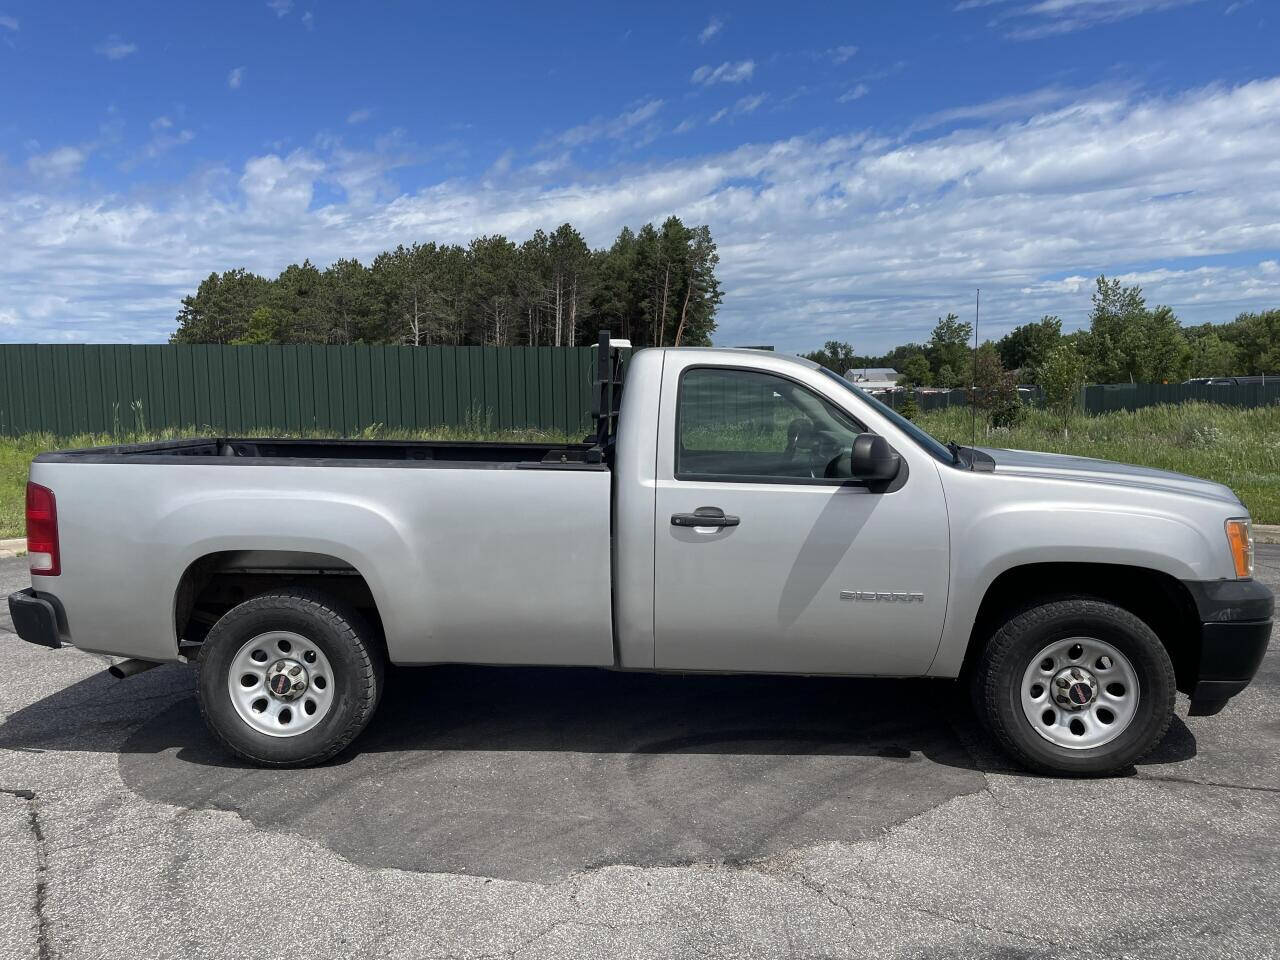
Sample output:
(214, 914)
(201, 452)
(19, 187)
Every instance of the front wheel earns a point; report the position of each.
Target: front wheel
(289, 678)
(1077, 687)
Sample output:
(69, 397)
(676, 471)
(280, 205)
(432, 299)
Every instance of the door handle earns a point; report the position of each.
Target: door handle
(704, 517)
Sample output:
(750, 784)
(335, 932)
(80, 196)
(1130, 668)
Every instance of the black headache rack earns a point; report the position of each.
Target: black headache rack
(606, 395)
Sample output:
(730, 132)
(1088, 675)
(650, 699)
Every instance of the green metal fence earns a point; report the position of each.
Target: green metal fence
(1106, 397)
(340, 390)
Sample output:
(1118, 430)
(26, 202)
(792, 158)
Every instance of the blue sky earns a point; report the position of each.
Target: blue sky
(863, 166)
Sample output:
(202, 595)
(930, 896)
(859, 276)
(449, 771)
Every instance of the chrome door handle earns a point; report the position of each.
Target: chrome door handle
(704, 517)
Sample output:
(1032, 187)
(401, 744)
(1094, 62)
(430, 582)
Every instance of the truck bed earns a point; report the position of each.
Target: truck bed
(471, 552)
(246, 451)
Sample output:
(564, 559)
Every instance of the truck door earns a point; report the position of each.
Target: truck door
(765, 560)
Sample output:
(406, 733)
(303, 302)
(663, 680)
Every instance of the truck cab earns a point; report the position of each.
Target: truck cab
(769, 550)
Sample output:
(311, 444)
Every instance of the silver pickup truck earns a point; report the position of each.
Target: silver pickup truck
(735, 511)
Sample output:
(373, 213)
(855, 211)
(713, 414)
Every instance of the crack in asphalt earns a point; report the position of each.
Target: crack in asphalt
(959, 921)
(798, 874)
(813, 885)
(586, 924)
(44, 950)
(1188, 782)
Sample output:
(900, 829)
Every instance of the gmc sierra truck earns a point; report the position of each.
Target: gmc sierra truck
(734, 511)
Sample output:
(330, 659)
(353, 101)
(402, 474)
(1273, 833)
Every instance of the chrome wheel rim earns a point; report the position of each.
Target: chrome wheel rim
(1080, 693)
(281, 684)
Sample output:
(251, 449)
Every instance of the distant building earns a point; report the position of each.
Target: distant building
(874, 378)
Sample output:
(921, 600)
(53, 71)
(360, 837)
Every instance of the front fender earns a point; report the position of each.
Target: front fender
(987, 543)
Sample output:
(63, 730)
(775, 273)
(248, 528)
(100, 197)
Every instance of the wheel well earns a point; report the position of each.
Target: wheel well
(1161, 601)
(216, 582)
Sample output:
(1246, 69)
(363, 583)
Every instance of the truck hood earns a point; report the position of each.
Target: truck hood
(1061, 466)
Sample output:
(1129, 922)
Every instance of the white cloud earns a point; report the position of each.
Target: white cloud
(163, 140)
(850, 236)
(727, 72)
(279, 186)
(359, 116)
(57, 164)
(842, 54)
(309, 20)
(9, 23)
(856, 92)
(235, 78)
(550, 166)
(713, 27)
(281, 7)
(747, 104)
(1046, 18)
(113, 48)
(609, 128)
(502, 165)
(1002, 108)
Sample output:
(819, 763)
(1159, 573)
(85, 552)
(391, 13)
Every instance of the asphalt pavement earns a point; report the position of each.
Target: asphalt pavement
(542, 813)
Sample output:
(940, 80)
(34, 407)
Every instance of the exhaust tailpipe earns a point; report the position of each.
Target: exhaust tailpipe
(127, 668)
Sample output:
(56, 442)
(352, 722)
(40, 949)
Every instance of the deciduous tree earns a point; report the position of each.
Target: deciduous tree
(1024, 348)
(995, 389)
(1129, 342)
(1062, 376)
(915, 372)
(836, 355)
(948, 349)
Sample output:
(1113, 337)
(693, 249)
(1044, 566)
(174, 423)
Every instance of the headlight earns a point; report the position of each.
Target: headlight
(1240, 539)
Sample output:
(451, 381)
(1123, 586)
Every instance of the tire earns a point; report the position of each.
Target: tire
(1101, 651)
(323, 705)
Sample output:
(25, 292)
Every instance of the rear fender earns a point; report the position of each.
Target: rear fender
(353, 531)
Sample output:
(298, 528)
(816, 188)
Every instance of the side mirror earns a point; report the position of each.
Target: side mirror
(873, 459)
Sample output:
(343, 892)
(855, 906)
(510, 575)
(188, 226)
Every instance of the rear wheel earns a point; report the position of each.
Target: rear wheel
(289, 678)
(1077, 687)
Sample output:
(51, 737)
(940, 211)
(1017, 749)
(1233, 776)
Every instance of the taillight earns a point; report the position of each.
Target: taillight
(42, 531)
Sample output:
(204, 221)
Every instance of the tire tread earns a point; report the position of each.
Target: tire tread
(992, 675)
(353, 630)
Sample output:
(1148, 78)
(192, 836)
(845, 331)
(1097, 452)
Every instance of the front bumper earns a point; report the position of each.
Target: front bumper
(38, 618)
(1235, 629)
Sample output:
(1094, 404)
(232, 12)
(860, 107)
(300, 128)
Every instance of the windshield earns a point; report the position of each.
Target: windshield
(938, 450)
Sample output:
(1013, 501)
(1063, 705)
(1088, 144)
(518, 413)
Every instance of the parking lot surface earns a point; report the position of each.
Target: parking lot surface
(546, 813)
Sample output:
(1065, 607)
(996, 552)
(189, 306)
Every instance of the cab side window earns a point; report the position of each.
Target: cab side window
(748, 426)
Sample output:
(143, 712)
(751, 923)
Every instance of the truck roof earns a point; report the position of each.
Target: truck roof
(749, 352)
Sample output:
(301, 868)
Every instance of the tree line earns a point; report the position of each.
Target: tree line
(656, 286)
(1126, 341)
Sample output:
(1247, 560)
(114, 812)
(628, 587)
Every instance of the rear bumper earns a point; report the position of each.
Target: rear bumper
(1235, 630)
(38, 618)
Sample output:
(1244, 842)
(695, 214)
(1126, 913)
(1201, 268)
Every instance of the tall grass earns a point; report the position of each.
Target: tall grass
(1240, 448)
